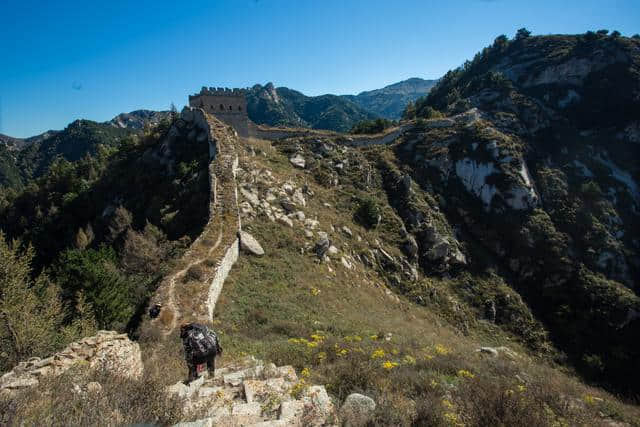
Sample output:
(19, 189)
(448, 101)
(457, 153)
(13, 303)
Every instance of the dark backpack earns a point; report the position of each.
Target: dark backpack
(202, 342)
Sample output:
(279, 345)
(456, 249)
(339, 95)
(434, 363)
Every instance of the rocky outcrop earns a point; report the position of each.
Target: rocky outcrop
(108, 351)
(252, 393)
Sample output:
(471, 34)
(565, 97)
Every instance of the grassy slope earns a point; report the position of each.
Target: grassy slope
(288, 295)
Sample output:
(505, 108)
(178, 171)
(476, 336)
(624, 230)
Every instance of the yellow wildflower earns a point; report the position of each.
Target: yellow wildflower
(389, 365)
(357, 338)
(447, 404)
(312, 344)
(342, 352)
(589, 399)
(377, 354)
(521, 388)
(373, 337)
(452, 418)
(433, 383)
(305, 372)
(317, 337)
(428, 357)
(441, 350)
(315, 291)
(294, 340)
(321, 356)
(508, 392)
(463, 373)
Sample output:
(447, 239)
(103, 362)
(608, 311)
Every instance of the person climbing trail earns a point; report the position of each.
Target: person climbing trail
(201, 345)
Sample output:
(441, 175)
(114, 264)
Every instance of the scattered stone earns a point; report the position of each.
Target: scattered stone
(287, 205)
(298, 161)
(357, 410)
(346, 230)
(249, 244)
(308, 233)
(332, 250)
(299, 215)
(323, 410)
(283, 220)
(298, 198)
(346, 263)
(250, 196)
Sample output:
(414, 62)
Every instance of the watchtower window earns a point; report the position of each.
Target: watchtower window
(221, 107)
(230, 108)
(239, 107)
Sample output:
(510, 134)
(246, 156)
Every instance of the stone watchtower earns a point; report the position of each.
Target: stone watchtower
(228, 105)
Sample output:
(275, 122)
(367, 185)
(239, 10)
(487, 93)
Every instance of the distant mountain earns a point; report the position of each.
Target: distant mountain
(390, 101)
(287, 107)
(24, 159)
(138, 119)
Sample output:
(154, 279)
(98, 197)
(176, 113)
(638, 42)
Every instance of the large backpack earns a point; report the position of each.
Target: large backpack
(202, 342)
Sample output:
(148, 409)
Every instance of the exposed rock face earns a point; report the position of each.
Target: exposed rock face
(252, 393)
(107, 350)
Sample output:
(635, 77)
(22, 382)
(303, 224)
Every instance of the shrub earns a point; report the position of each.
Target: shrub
(372, 126)
(368, 213)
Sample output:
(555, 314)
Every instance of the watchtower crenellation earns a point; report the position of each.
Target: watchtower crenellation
(228, 105)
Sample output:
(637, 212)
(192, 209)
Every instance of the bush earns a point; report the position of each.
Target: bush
(372, 126)
(368, 213)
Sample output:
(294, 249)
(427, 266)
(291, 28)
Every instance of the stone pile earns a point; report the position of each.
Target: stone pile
(107, 350)
(252, 393)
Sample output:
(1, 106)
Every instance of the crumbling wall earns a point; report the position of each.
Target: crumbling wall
(107, 350)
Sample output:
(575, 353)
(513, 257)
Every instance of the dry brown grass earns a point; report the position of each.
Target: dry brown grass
(65, 400)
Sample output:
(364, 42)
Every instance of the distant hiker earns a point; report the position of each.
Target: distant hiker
(201, 345)
(155, 310)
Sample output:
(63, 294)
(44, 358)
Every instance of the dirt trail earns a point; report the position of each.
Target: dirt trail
(170, 302)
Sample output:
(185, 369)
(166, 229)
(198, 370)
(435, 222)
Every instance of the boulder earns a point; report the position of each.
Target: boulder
(249, 244)
(357, 410)
(322, 409)
(298, 161)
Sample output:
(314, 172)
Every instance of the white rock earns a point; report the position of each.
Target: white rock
(357, 410)
(332, 250)
(250, 196)
(346, 230)
(298, 161)
(346, 263)
(249, 244)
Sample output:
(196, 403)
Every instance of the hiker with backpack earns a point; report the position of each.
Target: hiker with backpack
(201, 345)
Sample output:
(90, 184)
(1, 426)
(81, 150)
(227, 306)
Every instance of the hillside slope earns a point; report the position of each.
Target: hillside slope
(544, 177)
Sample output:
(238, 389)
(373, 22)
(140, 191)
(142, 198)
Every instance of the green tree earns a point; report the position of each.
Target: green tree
(94, 272)
(522, 34)
(31, 313)
(368, 213)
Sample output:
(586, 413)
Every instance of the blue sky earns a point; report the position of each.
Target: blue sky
(63, 60)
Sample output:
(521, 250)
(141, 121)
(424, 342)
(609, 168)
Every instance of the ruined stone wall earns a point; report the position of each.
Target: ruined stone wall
(107, 350)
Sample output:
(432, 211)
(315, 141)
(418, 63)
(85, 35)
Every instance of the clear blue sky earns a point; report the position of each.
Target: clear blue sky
(63, 60)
